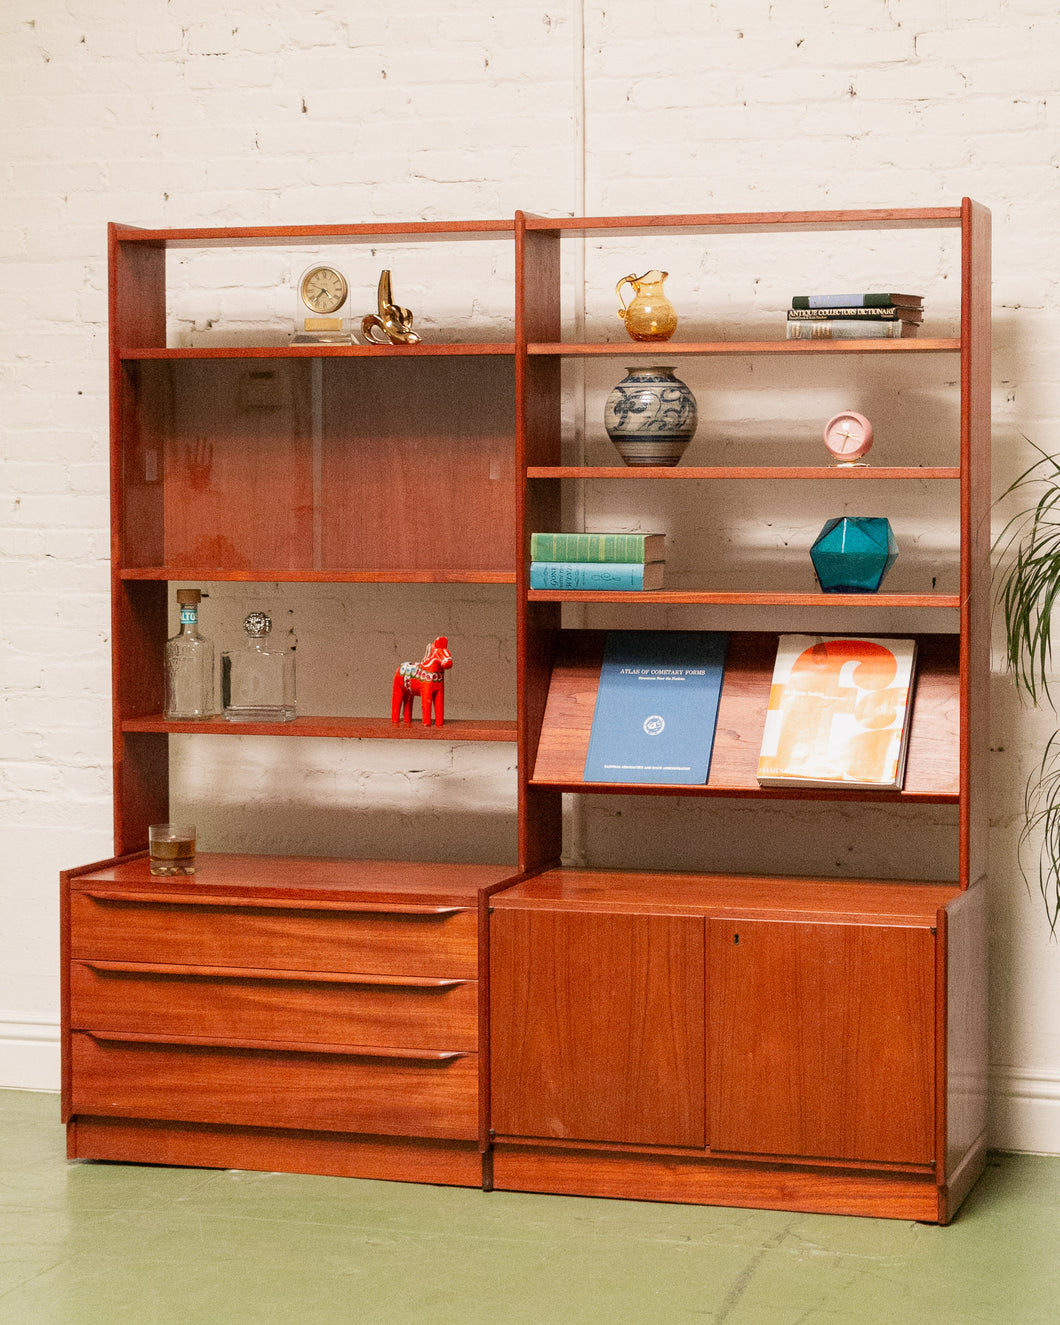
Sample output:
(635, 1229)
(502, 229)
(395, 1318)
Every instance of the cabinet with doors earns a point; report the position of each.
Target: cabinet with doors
(785, 1037)
(781, 1036)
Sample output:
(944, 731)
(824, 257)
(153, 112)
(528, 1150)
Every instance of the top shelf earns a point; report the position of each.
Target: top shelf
(881, 218)
(268, 235)
(250, 236)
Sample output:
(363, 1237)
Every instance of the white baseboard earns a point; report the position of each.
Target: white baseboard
(1024, 1110)
(1024, 1103)
(29, 1053)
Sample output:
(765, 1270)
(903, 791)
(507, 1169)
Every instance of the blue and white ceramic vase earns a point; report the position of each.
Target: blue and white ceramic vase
(651, 416)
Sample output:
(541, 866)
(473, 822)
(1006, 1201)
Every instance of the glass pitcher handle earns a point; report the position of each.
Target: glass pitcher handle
(632, 280)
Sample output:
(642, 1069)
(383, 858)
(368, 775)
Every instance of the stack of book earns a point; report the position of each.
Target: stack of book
(854, 316)
(596, 561)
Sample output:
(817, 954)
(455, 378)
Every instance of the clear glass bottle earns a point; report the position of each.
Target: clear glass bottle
(190, 690)
(257, 681)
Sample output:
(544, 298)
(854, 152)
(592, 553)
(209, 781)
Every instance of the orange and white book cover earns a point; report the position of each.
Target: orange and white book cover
(839, 712)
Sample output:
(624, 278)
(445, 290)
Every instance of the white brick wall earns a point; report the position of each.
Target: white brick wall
(168, 115)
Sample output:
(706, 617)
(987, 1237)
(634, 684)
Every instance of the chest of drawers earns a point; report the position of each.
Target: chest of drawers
(266, 1010)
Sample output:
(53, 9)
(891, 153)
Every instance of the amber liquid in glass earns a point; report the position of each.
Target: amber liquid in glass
(173, 855)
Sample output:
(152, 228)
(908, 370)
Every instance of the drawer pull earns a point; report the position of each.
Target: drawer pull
(281, 1046)
(274, 904)
(299, 977)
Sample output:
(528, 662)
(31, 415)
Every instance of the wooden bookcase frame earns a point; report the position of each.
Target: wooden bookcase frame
(929, 937)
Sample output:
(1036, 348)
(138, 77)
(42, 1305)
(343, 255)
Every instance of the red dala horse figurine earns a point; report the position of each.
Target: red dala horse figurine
(426, 679)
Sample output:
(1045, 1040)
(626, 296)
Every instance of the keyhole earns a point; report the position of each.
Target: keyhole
(736, 938)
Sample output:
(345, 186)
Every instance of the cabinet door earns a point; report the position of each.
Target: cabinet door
(597, 1026)
(821, 1040)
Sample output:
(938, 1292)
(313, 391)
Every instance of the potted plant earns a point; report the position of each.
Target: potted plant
(1027, 587)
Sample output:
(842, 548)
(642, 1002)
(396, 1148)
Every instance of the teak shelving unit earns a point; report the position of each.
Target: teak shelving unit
(797, 1043)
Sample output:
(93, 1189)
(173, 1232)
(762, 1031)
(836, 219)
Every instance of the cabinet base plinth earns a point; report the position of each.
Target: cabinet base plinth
(330, 1154)
(695, 1181)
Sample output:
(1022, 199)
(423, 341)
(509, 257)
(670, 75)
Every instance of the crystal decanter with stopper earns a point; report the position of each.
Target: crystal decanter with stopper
(190, 693)
(257, 681)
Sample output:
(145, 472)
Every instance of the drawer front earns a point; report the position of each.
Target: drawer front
(395, 1096)
(409, 1012)
(442, 943)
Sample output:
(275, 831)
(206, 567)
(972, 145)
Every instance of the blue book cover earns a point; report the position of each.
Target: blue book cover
(657, 707)
(596, 575)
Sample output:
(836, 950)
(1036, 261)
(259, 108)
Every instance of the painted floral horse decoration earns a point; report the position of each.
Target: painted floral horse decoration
(426, 679)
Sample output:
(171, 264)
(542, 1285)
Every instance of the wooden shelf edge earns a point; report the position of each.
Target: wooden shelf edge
(752, 472)
(881, 216)
(909, 345)
(240, 236)
(753, 792)
(132, 354)
(693, 596)
(265, 575)
(456, 729)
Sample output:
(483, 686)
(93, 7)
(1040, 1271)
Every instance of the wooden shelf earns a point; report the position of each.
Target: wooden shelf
(272, 235)
(911, 345)
(420, 351)
(772, 473)
(932, 771)
(266, 575)
(743, 599)
(875, 218)
(375, 729)
(678, 893)
(300, 879)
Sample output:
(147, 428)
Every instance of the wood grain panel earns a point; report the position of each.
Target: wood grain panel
(275, 1150)
(597, 1026)
(258, 1005)
(645, 892)
(932, 768)
(418, 463)
(234, 453)
(308, 879)
(698, 1181)
(274, 1088)
(822, 1040)
(966, 1019)
(975, 537)
(273, 938)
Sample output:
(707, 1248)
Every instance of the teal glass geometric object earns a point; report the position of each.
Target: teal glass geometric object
(853, 553)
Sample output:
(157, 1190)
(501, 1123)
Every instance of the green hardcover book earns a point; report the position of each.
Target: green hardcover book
(609, 548)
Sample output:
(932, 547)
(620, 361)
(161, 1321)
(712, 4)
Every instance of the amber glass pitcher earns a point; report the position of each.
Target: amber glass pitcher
(649, 315)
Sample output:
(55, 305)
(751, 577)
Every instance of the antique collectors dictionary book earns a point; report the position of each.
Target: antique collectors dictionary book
(656, 707)
(839, 711)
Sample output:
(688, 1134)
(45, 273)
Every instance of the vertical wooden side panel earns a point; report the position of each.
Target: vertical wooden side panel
(137, 306)
(821, 1040)
(963, 923)
(141, 760)
(537, 407)
(975, 539)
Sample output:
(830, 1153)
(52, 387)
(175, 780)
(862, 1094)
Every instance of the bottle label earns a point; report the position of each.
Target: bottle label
(189, 616)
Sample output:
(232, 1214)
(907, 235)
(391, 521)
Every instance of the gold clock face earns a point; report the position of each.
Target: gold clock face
(324, 290)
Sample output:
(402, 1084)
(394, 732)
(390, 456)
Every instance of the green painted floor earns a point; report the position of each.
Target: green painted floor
(110, 1244)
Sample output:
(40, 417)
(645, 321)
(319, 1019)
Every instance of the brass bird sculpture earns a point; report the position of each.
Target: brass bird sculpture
(393, 321)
